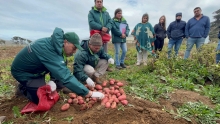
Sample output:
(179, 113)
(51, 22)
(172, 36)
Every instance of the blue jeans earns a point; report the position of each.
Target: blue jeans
(190, 43)
(123, 47)
(218, 53)
(177, 44)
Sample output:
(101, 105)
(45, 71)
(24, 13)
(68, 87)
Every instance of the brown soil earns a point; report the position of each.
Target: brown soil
(9, 51)
(138, 111)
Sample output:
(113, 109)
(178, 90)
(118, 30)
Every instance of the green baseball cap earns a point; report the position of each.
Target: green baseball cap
(73, 38)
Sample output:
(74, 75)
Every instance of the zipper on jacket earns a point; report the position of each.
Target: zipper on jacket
(101, 19)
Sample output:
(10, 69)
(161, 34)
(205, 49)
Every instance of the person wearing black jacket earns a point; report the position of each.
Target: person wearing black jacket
(218, 49)
(160, 31)
(176, 33)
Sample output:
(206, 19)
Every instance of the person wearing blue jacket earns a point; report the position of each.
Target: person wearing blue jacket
(197, 29)
(218, 48)
(48, 55)
(176, 33)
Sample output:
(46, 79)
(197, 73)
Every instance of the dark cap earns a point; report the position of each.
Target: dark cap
(73, 38)
(179, 14)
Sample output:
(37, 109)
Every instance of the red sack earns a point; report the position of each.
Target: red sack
(46, 100)
(105, 37)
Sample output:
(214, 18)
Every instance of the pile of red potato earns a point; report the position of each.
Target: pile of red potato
(112, 89)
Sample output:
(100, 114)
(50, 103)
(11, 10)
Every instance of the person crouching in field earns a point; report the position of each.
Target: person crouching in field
(120, 31)
(144, 36)
(218, 49)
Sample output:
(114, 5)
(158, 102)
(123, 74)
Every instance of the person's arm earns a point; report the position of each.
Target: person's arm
(156, 29)
(169, 31)
(56, 65)
(187, 29)
(116, 31)
(79, 63)
(110, 22)
(92, 23)
(103, 54)
(207, 27)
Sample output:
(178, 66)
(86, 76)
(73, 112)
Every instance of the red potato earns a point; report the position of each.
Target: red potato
(107, 105)
(112, 82)
(94, 99)
(116, 91)
(112, 88)
(124, 102)
(112, 92)
(65, 107)
(98, 87)
(121, 91)
(122, 97)
(70, 101)
(72, 95)
(83, 107)
(79, 97)
(89, 105)
(116, 87)
(104, 101)
(81, 101)
(91, 102)
(120, 84)
(100, 91)
(113, 96)
(104, 83)
(113, 106)
(75, 101)
(118, 94)
(116, 100)
(110, 100)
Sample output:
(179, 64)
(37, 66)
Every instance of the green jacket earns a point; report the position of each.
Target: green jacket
(87, 57)
(43, 56)
(97, 19)
(116, 33)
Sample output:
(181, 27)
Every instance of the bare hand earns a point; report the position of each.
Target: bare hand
(123, 36)
(104, 29)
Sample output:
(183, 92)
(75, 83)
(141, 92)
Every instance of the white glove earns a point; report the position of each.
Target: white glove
(52, 85)
(111, 61)
(90, 82)
(98, 95)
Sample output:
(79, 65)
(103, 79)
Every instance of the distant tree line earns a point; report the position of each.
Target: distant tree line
(215, 24)
(20, 40)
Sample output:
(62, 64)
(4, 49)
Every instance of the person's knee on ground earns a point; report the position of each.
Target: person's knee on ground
(89, 70)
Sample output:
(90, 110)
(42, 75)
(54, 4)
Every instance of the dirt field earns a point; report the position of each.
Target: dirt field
(138, 111)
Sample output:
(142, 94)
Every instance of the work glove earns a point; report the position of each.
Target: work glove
(98, 95)
(111, 61)
(52, 85)
(90, 82)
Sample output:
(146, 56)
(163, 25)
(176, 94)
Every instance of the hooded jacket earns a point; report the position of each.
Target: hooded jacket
(43, 56)
(97, 19)
(176, 29)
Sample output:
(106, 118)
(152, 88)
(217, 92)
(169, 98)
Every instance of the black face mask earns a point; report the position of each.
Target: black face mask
(178, 20)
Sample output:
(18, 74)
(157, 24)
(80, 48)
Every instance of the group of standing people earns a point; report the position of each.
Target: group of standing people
(48, 55)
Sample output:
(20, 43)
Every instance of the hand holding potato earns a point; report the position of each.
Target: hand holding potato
(90, 82)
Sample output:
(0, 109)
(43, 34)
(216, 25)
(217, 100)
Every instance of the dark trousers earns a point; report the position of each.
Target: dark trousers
(159, 44)
(29, 88)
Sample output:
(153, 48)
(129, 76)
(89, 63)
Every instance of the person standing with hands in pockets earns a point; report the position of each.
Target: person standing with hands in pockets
(120, 31)
(144, 36)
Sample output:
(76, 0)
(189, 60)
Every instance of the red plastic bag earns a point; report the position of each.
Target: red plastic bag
(46, 100)
(105, 37)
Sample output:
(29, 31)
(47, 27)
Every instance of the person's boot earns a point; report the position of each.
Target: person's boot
(109, 69)
(96, 79)
(122, 65)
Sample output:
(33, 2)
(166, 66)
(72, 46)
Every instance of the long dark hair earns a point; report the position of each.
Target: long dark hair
(163, 24)
(116, 11)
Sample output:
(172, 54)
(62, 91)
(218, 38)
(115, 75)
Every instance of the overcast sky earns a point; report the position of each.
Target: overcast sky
(33, 19)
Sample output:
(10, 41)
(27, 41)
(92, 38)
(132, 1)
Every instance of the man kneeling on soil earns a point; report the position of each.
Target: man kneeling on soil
(48, 55)
(92, 61)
